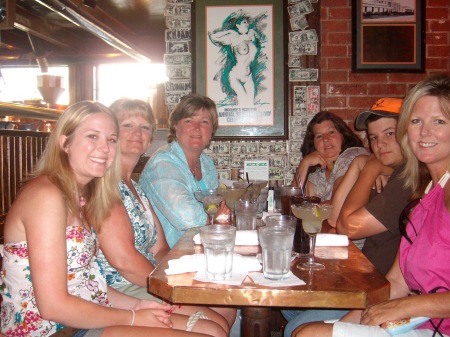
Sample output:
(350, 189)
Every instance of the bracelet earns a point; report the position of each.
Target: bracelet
(132, 319)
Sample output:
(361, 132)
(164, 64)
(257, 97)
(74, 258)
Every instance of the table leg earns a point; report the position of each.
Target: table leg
(255, 322)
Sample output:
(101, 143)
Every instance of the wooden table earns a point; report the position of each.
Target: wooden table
(344, 283)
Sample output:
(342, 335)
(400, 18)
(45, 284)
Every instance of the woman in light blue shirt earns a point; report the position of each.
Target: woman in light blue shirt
(179, 168)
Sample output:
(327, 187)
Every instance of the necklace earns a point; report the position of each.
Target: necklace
(193, 171)
(82, 203)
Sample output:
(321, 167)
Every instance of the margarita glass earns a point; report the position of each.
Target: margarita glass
(312, 217)
(231, 195)
(210, 199)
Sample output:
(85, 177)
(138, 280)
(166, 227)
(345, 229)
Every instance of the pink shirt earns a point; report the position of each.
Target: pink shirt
(425, 263)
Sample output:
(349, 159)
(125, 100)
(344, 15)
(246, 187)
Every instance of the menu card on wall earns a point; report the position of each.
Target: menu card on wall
(256, 169)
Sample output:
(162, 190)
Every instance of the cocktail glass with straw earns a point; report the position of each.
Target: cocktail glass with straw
(312, 217)
(231, 195)
(210, 199)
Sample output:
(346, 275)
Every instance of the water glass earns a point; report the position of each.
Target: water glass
(218, 244)
(246, 214)
(276, 243)
(281, 220)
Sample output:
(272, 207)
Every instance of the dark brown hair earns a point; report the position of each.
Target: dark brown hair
(349, 138)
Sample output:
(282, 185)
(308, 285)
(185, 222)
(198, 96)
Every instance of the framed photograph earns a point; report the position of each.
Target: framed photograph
(240, 65)
(388, 36)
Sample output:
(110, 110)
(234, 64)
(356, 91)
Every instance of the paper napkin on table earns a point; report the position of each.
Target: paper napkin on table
(243, 238)
(333, 240)
(196, 262)
(291, 280)
(185, 264)
(266, 214)
(242, 265)
(331, 253)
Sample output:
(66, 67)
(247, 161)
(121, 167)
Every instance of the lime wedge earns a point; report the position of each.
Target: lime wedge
(317, 211)
(212, 209)
(223, 186)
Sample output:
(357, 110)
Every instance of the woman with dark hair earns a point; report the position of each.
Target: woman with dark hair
(328, 149)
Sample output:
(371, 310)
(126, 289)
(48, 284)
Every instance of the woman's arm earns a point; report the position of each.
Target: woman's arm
(45, 218)
(117, 243)
(223, 37)
(340, 192)
(161, 248)
(171, 193)
(312, 159)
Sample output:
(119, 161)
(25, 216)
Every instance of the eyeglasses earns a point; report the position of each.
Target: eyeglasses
(404, 219)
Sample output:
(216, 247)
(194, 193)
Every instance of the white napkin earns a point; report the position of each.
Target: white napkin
(333, 240)
(191, 263)
(266, 214)
(185, 264)
(291, 280)
(243, 238)
(331, 253)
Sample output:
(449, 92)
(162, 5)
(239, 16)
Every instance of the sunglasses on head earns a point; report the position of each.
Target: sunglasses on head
(404, 219)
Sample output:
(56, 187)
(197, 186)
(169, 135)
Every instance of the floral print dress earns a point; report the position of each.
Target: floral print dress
(19, 312)
(145, 235)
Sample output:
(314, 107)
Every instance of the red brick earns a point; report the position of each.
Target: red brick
(339, 63)
(334, 50)
(437, 13)
(436, 38)
(438, 51)
(386, 89)
(340, 13)
(335, 26)
(362, 102)
(439, 25)
(405, 78)
(334, 76)
(347, 89)
(363, 78)
(339, 38)
(435, 63)
(343, 113)
(334, 102)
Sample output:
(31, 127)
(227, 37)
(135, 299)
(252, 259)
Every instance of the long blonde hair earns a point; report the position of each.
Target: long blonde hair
(415, 174)
(100, 193)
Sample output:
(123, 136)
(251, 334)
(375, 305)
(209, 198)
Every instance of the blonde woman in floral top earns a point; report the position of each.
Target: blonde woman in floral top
(50, 277)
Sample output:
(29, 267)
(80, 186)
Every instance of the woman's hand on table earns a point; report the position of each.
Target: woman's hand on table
(222, 212)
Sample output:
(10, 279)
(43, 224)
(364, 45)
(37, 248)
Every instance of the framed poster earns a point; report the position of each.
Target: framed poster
(388, 36)
(239, 64)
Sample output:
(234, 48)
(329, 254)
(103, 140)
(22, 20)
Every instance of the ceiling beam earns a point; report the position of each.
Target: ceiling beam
(39, 27)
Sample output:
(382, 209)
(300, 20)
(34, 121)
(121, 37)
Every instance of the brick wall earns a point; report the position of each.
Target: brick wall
(347, 93)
